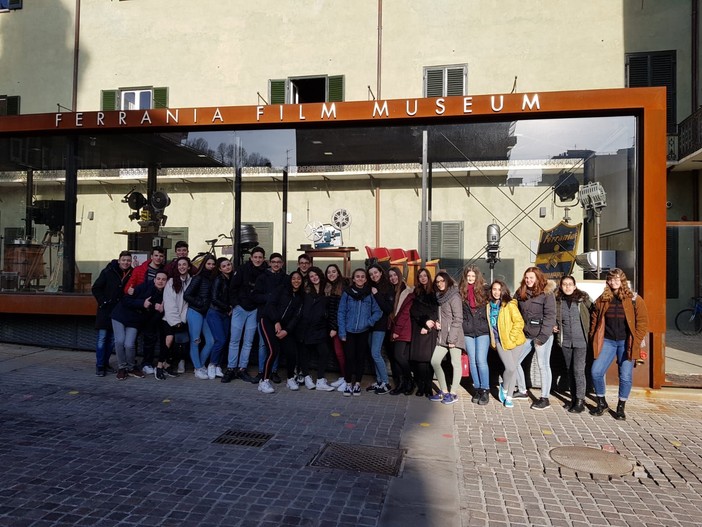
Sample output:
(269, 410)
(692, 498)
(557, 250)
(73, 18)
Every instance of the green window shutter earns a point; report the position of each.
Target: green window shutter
(13, 105)
(335, 88)
(455, 81)
(160, 99)
(109, 100)
(276, 88)
(434, 82)
(656, 68)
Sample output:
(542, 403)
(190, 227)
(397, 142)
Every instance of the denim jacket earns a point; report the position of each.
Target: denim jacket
(358, 312)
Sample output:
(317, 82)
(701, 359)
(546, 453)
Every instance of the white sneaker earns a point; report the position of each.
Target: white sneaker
(219, 372)
(148, 370)
(309, 383)
(211, 372)
(264, 386)
(201, 373)
(338, 382)
(322, 386)
(342, 387)
(292, 384)
(181, 367)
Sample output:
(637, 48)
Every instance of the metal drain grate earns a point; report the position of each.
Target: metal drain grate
(243, 438)
(591, 460)
(359, 458)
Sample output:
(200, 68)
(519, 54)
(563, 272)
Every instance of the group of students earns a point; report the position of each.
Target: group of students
(217, 313)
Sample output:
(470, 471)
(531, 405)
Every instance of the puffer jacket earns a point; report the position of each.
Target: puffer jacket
(510, 325)
(451, 319)
(199, 293)
(358, 311)
(539, 313)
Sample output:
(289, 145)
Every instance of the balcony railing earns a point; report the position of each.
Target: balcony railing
(672, 149)
(690, 134)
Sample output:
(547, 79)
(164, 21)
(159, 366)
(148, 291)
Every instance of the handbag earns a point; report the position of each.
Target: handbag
(181, 336)
(465, 365)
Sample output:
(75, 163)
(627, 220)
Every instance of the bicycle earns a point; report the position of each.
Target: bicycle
(689, 320)
(214, 243)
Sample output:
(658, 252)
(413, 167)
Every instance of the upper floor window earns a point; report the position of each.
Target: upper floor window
(135, 99)
(442, 81)
(10, 5)
(655, 68)
(300, 90)
(9, 105)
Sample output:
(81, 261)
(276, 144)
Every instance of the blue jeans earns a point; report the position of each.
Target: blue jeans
(612, 349)
(376, 346)
(125, 345)
(197, 326)
(477, 348)
(243, 322)
(104, 347)
(543, 357)
(218, 324)
(263, 353)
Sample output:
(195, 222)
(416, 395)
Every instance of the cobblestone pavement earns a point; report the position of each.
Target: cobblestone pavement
(80, 450)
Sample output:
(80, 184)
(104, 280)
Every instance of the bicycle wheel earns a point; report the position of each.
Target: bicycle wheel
(688, 322)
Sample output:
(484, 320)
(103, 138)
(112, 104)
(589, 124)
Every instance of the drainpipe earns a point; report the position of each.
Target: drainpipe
(76, 55)
(380, 49)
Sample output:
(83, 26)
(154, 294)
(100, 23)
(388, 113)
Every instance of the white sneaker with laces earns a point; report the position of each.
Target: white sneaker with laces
(322, 386)
(219, 372)
(181, 367)
(342, 387)
(264, 386)
(148, 370)
(309, 383)
(338, 382)
(201, 373)
(292, 384)
(211, 371)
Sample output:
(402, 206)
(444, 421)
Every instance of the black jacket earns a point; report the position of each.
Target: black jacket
(267, 284)
(314, 326)
(108, 289)
(198, 295)
(386, 303)
(131, 311)
(219, 299)
(475, 322)
(284, 307)
(243, 283)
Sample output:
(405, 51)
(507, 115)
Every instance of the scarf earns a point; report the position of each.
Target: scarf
(442, 298)
(358, 294)
(471, 296)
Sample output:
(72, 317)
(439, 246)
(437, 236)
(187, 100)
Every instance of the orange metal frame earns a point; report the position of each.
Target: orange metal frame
(648, 104)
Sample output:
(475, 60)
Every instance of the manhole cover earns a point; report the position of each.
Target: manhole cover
(591, 460)
(243, 438)
(359, 458)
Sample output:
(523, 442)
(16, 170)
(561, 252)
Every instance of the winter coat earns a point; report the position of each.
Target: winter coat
(510, 326)
(284, 307)
(313, 327)
(451, 319)
(386, 303)
(424, 308)
(636, 314)
(219, 299)
(243, 283)
(358, 311)
(267, 284)
(539, 313)
(333, 312)
(584, 307)
(175, 308)
(475, 321)
(401, 323)
(108, 289)
(131, 311)
(199, 293)
(138, 275)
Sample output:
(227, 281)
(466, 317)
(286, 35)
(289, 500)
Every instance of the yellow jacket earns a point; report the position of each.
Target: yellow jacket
(510, 326)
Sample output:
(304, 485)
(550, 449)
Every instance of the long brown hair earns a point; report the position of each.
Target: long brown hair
(337, 287)
(479, 286)
(424, 289)
(401, 286)
(539, 285)
(505, 297)
(177, 281)
(623, 292)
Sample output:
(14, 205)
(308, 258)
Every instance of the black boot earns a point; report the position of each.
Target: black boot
(484, 397)
(476, 396)
(620, 415)
(409, 388)
(601, 407)
(398, 389)
(577, 407)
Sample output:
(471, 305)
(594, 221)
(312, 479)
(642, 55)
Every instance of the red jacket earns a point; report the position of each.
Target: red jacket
(138, 276)
(400, 322)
